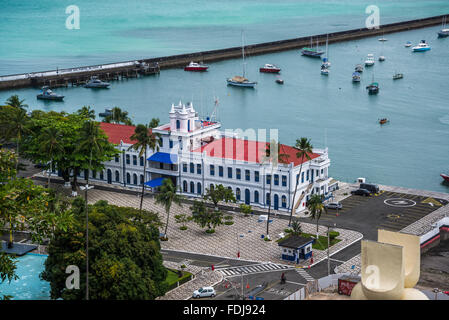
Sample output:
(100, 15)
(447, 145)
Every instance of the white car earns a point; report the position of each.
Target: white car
(334, 205)
(204, 292)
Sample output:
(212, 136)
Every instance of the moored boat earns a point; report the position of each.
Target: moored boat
(445, 177)
(324, 71)
(422, 46)
(381, 58)
(194, 66)
(397, 76)
(369, 60)
(270, 68)
(311, 51)
(359, 68)
(408, 44)
(443, 33)
(48, 94)
(107, 112)
(356, 77)
(373, 88)
(241, 81)
(383, 120)
(280, 81)
(94, 82)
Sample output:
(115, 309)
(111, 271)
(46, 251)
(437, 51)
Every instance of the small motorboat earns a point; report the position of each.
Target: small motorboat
(270, 68)
(324, 71)
(445, 177)
(280, 81)
(107, 112)
(422, 46)
(194, 66)
(443, 33)
(48, 94)
(383, 120)
(383, 39)
(397, 76)
(359, 68)
(369, 60)
(381, 58)
(94, 82)
(373, 88)
(408, 44)
(356, 77)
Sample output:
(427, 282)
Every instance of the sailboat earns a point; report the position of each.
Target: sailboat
(382, 57)
(326, 64)
(312, 52)
(373, 87)
(241, 81)
(444, 32)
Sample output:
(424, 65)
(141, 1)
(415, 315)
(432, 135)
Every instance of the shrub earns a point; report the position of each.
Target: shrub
(228, 223)
(287, 230)
(333, 234)
(228, 218)
(266, 239)
(183, 266)
(183, 228)
(246, 209)
(210, 231)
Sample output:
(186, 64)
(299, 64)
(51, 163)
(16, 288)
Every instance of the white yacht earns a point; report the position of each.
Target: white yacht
(369, 60)
(94, 82)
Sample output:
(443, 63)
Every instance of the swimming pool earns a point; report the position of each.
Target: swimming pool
(29, 286)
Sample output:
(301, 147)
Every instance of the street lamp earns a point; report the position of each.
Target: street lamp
(87, 188)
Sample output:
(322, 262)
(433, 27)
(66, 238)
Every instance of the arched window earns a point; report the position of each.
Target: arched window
(284, 201)
(192, 187)
(135, 179)
(184, 186)
(101, 175)
(198, 188)
(178, 124)
(237, 194)
(256, 196)
(117, 176)
(128, 178)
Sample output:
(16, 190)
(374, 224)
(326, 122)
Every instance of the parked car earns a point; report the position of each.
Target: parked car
(334, 205)
(204, 292)
(361, 192)
(373, 188)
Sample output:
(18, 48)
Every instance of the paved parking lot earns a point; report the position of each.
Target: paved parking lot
(387, 210)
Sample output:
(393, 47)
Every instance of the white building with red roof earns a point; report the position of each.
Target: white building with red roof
(196, 155)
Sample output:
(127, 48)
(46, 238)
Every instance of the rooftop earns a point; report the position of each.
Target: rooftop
(295, 242)
(248, 150)
(118, 132)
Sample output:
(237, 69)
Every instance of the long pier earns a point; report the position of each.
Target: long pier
(116, 71)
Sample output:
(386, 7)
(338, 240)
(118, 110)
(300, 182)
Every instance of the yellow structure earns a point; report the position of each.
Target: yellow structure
(390, 268)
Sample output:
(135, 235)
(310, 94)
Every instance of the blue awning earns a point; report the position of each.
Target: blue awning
(164, 157)
(155, 182)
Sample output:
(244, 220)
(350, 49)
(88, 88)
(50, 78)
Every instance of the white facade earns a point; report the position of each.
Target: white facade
(193, 170)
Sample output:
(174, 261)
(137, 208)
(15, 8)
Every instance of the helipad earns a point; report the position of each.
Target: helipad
(400, 202)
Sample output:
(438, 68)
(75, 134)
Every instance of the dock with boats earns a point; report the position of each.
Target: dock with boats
(132, 69)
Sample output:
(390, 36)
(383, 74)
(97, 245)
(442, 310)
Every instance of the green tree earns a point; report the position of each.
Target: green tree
(167, 196)
(245, 209)
(219, 194)
(206, 217)
(273, 155)
(296, 228)
(304, 150)
(182, 219)
(51, 146)
(316, 208)
(14, 101)
(14, 122)
(7, 270)
(145, 139)
(125, 254)
(87, 112)
(118, 116)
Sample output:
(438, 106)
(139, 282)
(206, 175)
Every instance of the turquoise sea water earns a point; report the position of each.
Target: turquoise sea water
(28, 286)
(410, 151)
(33, 36)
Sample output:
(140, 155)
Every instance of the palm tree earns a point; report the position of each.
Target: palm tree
(167, 196)
(16, 126)
(316, 208)
(118, 116)
(14, 101)
(87, 111)
(89, 142)
(304, 150)
(296, 228)
(273, 158)
(145, 139)
(51, 146)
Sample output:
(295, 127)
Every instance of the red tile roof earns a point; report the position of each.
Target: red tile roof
(248, 150)
(118, 132)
